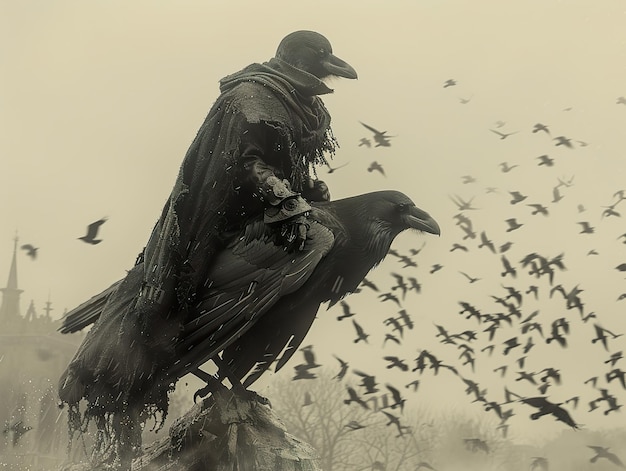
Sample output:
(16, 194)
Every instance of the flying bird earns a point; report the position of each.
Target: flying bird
(469, 278)
(503, 135)
(354, 397)
(603, 452)
(476, 444)
(517, 197)
(365, 142)
(380, 137)
(449, 83)
(563, 141)
(513, 224)
(506, 168)
(31, 250)
(548, 408)
(586, 228)
(508, 268)
(92, 232)
(346, 311)
(360, 333)
(541, 127)
(538, 209)
(333, 169)
(343, 368)
(485, 242)
(377, 167)
(545, 160)
(461, 203)
(354, 425)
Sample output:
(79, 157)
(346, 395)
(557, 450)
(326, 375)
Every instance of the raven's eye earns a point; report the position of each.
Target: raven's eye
(403, 207)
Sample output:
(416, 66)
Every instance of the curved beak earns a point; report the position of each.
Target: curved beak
(335, 66)
(422, 221)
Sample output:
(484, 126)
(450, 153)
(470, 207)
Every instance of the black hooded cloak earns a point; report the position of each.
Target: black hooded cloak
(268, 120)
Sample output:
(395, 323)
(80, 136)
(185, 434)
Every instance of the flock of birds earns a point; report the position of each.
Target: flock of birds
(508, 330)
(506, 327)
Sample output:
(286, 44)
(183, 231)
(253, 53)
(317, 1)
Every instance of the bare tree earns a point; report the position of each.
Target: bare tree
(347, 436)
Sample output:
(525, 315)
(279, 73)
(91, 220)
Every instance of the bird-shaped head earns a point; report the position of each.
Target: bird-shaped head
(381, 216)
(312, 52)
(400, 213)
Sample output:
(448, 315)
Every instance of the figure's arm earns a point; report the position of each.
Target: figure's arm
(283, 207)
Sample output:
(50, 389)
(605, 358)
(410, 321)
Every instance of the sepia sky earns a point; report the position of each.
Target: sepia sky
(100, 100)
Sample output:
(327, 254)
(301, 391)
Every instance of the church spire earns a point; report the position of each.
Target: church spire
(10, 308)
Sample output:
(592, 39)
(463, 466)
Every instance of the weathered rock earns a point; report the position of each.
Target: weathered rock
(228, 433)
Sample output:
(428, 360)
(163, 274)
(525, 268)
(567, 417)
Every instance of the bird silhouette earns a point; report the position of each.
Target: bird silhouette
(517, 197)
(586, 228)
(541, 127)
(333, 169)
(506, 168)
(469, 278)
(368, 382)
(346, 311)
(31, 250)
(449, 83)
(548, 408)
(361, 335)
(538, 209)
(365, 142)
(354, 397)
(485, 242)
(556, 195)
(545, 160)
(502, 134)
(461, 203)
(563, 141)
(380, 137)
(513, 224)
(92, 232)
(603, 452)
(343, 365)
(375, 166)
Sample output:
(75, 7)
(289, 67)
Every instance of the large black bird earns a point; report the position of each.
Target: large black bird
(258, 299)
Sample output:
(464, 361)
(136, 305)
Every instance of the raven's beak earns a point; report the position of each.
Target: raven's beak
(335, 66)
(422, 221)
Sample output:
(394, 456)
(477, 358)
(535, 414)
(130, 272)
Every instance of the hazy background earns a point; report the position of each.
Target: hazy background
(99, 102)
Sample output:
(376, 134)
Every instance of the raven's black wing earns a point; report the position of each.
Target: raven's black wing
(245, 283)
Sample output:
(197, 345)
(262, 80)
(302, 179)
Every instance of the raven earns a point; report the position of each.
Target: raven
(258, 299)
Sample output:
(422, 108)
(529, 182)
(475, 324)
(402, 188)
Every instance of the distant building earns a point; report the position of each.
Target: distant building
(32, 357)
